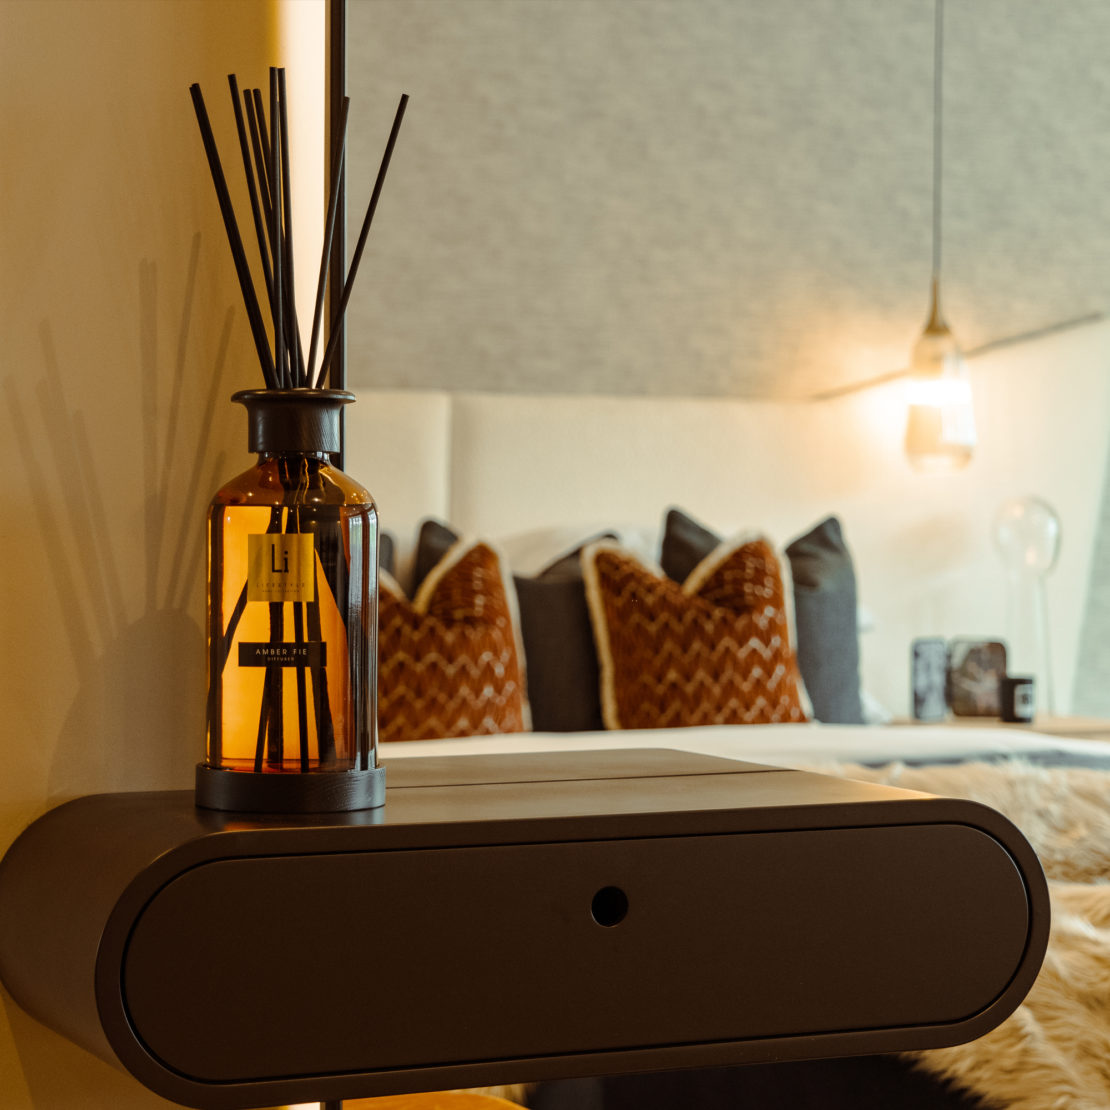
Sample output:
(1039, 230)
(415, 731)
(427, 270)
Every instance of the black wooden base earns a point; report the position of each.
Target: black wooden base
(315, 792)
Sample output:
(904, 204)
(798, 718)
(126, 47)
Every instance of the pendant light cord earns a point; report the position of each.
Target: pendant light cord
(938, 114)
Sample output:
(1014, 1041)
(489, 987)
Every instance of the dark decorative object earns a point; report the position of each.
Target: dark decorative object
(292, 542)
(292, 619)
(928, 675)
(1019, 699)
(975, 671)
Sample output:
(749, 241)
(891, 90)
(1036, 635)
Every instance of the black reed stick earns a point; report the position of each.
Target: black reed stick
(348, 284)
(338, 156)
(262, 156)
(296, 355)
(262, 151)
(260, 114)
(257, 119)
(246, 286)
(263, 724)
(275, 235)
(252, 185)
(276, 713)
(302, 689)
(261, 159)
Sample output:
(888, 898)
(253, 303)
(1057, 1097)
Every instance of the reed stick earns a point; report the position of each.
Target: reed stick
(246, 285)
(256, 126)
(252, 184)
(257, 120)
(260, 112)
(276, 724)
(263, 723)
(275, 236)
(296, 354)
(338, 158)
(302, 689)
(363, 234)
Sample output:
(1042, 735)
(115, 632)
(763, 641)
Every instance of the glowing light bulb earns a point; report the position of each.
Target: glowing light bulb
(940, 426)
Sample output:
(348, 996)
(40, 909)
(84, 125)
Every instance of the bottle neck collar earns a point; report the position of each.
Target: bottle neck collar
(293, 421)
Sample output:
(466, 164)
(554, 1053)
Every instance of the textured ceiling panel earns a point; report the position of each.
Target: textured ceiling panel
(717, 196)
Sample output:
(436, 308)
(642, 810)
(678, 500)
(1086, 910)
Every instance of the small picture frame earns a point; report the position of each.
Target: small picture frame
(928, 678)
(975, 672)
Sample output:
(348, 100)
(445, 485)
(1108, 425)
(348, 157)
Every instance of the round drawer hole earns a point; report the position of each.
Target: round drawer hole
(609, 907)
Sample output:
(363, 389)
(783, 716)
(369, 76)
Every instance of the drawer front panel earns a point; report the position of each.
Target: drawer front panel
(290, 966)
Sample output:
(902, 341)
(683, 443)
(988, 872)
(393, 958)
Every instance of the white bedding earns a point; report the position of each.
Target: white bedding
(782, 745)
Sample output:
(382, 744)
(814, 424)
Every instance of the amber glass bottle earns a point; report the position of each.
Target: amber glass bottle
(292, 620)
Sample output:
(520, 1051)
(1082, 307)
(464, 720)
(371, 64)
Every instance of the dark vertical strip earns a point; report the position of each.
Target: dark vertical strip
(337, 90)
(325, 730)
(356, 638)
(372, 649)
(274, 691)
(263, 720)
(322, 527)
(217, 643)
(302, 689)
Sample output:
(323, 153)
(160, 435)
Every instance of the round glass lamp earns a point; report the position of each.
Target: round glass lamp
(1027, 537)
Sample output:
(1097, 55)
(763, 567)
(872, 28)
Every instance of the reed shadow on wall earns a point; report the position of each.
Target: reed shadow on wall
(128, 576)
(129, 603)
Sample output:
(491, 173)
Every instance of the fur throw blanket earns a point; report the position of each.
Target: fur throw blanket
(1053, 1052)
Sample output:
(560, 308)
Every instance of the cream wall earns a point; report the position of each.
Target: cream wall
(123, 338)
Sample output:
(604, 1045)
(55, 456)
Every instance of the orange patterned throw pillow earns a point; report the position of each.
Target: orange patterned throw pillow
(712, 651)
(449, 662)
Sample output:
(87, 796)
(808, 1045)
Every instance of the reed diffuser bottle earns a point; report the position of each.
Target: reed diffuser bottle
(292, 542)
(292, 620)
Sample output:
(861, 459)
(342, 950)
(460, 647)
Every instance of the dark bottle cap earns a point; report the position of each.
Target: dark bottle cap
(283, 420)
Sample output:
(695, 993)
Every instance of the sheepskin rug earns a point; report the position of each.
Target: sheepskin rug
(1053, 1052)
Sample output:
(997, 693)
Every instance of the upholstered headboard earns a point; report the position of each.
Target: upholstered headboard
(497, 465)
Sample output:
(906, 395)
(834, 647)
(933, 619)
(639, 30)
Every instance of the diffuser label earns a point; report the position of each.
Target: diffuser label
(313, 654)
(280, 567)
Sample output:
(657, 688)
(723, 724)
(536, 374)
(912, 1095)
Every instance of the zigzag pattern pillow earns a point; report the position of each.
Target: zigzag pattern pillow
(714, 650)
(448, 661)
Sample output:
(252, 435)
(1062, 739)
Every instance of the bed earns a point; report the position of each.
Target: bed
(1052, 1052)
(485, 489)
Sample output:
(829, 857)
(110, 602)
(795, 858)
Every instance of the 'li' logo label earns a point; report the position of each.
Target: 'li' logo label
(279, 567)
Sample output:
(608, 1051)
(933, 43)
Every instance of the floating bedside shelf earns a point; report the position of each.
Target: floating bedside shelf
(518, 918)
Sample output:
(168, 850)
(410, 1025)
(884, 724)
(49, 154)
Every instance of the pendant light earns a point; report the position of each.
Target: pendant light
(940, 430)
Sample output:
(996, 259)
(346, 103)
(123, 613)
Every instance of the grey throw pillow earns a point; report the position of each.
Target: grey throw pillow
(826, 616)
(385, 552)
(564, 679)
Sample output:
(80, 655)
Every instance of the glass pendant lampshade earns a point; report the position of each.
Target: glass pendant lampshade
(940, 428)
